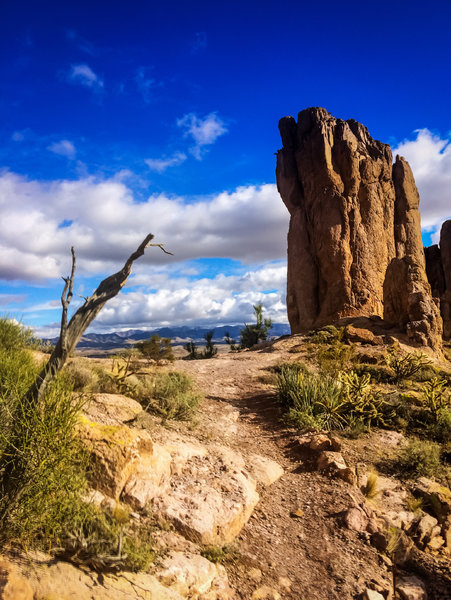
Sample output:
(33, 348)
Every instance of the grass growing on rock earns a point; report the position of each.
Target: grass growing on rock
(43, 470)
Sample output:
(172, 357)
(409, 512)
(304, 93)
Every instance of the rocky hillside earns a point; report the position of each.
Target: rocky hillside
(244, 502)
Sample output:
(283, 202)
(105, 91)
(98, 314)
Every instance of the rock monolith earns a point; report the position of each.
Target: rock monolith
(438, 268)
(352, 213)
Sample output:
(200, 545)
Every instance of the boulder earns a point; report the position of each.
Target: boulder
(362, 336)
(435, 495)
(334, 464)
(355, 519)
(13, 585)
(411, 588)
(193, 576)
(351, 213)
(115, 453)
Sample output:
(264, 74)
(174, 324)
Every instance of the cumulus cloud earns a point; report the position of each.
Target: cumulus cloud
(63, 148)
(429, 156)
(204, 131)
(83, 74)
(209, 302)
(161, 164)
(106, 224)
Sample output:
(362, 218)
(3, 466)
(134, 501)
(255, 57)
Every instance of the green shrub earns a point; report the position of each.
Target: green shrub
(420, 459)
(405, 366)
(321, 401)
(435, 396)
(14, 335)
(217, 554)
(170, 396)
(327, 335)
(253, 334)
(82, 377)
(335, 358)
(156, 348)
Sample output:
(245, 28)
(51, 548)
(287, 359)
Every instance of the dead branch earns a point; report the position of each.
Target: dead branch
(71, 333)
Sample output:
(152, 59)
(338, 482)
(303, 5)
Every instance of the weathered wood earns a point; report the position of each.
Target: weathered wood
(71, 333)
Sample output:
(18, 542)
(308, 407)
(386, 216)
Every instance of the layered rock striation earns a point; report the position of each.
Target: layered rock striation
(354, 242)
(438, 268)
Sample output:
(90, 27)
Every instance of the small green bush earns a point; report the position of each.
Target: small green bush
(170, 396)
(14, 335)
(420, 459)
(336, 357)
(156, 349)
(321, 401)
(327, 335)
(405, 366)
(435, 396)
(217, 554)
(255, 333)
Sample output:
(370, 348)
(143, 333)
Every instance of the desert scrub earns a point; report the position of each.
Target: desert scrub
(43, 471)
(218, 554)
(335, 357)
(420, 458)
(405, 366)
(325, 402)
(82, 377)
(327, 335)
(436, 396)
(170, 396)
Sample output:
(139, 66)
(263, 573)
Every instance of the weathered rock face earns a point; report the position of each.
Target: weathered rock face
(352, 213)
(438, 268)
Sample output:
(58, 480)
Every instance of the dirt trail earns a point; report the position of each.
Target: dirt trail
(307, 555)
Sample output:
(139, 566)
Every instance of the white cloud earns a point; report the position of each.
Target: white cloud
(63, 148)
(161, 164)
(106, 224)
(209, 302)
(204, 131)
(429, 155)
(84, 75)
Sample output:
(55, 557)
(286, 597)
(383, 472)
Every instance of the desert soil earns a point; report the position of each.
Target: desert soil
(293, 544)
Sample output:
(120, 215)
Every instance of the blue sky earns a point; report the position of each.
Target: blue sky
(121, 118)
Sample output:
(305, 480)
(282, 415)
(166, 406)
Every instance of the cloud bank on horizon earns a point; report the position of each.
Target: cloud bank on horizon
(248, 226)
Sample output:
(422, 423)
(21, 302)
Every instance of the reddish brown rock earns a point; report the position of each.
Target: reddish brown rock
(438, 268)
(408, 303)
(352, 213)
(336, 182)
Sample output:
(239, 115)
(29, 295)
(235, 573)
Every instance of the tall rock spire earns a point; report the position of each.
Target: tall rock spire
(352, 214)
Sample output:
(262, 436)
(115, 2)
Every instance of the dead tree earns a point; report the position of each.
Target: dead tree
(70, 333)
(11, 469)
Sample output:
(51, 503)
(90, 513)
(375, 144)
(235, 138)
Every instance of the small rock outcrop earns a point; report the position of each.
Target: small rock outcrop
(438, 268)
(352, 214)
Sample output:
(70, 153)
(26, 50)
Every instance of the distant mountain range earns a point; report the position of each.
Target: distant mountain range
(178, 335)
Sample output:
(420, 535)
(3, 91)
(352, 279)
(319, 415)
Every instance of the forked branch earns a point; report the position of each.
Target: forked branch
(71, 333)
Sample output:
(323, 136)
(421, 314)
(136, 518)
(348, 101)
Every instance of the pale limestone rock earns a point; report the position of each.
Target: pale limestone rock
(115, 453)
(111, 409)
(411, 588)
(427, 529)
(255, 574)
(63, 581)
(211, 499)
(372, 595)
(13, 585)
(266, 593)
(151, 474)
(193, 576)
(264, 470)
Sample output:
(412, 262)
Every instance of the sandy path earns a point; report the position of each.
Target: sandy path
(307, 556)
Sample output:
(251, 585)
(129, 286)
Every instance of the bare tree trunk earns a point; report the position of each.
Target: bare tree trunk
(70, 335)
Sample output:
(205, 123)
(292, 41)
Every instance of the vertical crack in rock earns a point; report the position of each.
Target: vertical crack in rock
(354, 229)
